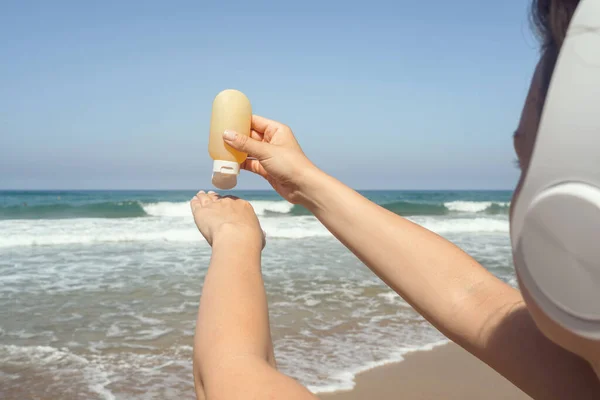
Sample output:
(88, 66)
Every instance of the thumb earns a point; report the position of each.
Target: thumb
(245, 144)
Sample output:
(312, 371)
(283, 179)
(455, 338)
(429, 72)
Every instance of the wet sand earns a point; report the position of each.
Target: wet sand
(447, 372)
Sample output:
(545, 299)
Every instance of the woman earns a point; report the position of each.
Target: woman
(498, 324)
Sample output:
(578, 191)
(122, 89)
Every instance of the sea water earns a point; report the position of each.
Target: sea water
(99, 290)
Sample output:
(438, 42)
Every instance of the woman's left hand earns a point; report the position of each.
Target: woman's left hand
(222, 218)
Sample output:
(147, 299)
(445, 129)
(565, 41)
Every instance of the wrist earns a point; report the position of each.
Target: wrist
(239, 237)
(312, 183)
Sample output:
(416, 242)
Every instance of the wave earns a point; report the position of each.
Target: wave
(463, 225)
(136, 209)
(404, 208)
(83, 238)
(261, 207)
(167, 209)
(125, 209)
(182, 230)
(138, 230)
(408, 209)
(488, 207)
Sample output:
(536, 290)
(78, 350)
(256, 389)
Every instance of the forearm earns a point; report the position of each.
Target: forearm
(454, 292)
(443, 283)
(233, 321)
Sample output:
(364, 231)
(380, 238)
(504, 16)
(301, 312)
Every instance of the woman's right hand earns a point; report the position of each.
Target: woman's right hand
(275, 155)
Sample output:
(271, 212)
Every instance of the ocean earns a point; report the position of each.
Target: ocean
(99, 289)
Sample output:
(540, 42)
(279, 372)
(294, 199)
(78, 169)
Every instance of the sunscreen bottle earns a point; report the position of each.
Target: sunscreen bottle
(231, 111)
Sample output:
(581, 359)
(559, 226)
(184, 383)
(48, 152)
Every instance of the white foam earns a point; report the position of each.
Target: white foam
(472, 206)
(22, 334)
(174, 224)
(463, 225)
(107, 237)
(166, 209)
(61, 362)
(294, 228)
(312, 302)
(261, 207)
(181, 308)
(182, 209)
(346, 378)
(393, 298)
(149, 321)
(135, 230)
(8, 377)
(150, 334)
(115, 331)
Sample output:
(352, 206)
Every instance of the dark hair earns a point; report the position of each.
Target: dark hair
(550, 20)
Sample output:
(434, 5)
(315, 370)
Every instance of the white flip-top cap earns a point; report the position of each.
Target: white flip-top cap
(225, 174)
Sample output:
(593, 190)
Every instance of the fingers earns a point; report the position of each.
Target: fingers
(245, 144)
(203, 199)
(256, 136)
(213, 196)
(196, 199)
(266, 127)
(261, 124)
(255, 167)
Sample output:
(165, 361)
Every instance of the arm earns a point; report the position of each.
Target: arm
(449, 288)
(233, 353)
(452, 291)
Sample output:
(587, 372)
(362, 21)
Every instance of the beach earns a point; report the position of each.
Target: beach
(447, 372)
(99, 292)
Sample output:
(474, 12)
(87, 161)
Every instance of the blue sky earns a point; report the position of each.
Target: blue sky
(388, 95)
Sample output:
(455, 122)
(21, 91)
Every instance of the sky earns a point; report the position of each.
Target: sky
(382, 95)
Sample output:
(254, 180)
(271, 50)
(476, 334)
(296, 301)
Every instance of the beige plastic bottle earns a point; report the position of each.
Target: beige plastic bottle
(231, 111)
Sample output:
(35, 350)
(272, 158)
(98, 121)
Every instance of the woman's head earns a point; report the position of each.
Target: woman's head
(551, 19)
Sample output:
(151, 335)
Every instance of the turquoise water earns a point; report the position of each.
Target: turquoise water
(99, 290)
(125, 204)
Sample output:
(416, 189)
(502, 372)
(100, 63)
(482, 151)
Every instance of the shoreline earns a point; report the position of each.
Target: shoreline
(395, 357)
(445, 372)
